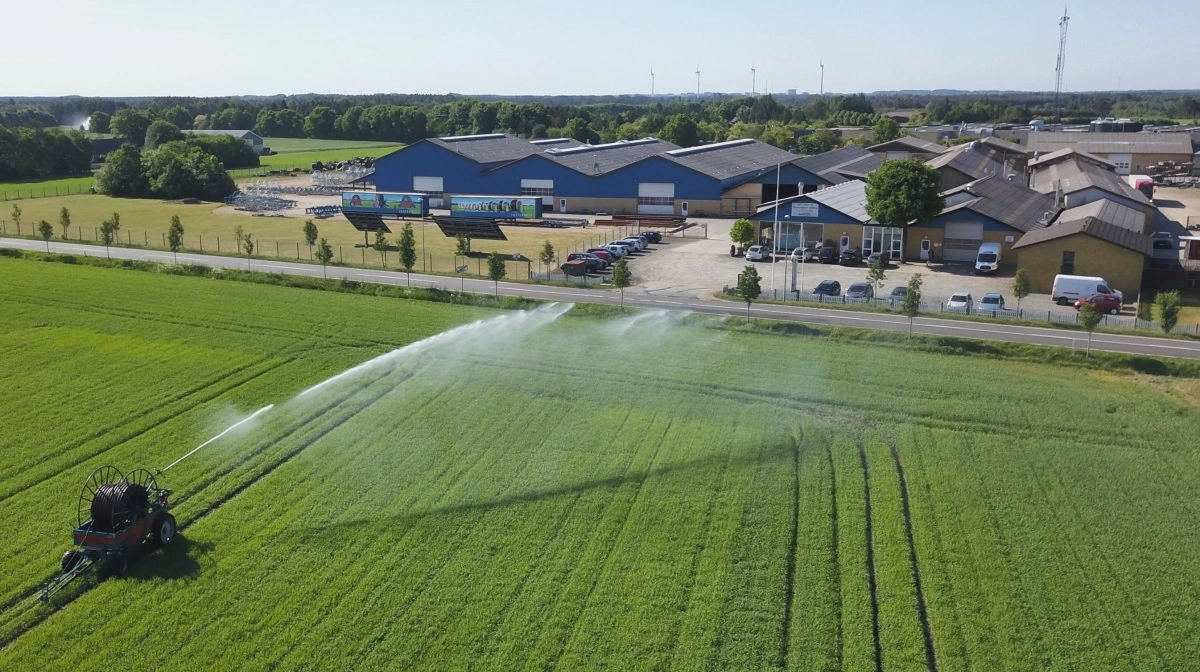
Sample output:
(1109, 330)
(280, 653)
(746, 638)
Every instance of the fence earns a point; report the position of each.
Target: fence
(932, 309)
(18, 193)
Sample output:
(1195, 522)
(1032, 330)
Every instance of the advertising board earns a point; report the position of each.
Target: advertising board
(385, 203)
(496, 207)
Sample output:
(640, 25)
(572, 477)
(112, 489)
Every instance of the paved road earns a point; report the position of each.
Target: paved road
(1055, 337)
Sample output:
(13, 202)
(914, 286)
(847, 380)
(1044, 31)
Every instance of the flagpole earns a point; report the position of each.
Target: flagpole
(775, 230)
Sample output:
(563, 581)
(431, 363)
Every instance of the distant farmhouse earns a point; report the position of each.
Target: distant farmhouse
(255, 140)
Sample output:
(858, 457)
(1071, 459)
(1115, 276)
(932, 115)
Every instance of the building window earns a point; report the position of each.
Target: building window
(537, 191)
(655, 200)
(1068, 263)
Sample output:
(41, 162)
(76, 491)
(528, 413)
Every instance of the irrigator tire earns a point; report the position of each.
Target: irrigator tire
(115, 504)
(164, 529)
(70, 559)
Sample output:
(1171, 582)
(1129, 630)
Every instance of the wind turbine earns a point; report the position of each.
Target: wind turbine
(652, 81)
(822, 77)
(753, 81)
(697, 81)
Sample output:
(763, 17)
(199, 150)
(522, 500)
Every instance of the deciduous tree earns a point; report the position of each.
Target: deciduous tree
(749, 286)
(885, 130)
(742, 232)
(175, 236)
(876, 274)
(408, 251)
(108, 232)
(1089, 318)
(911, 305)
(248, 246)
(381, 246)
(903, 191)
(131, 125)
(1020, 286)
(496, 269)
(310, 235)
(621, 278)
(1168, 306)
(16, 215)
(324, 255)
(64, 220)
(546, 256)
(160, 133)
(45, 230)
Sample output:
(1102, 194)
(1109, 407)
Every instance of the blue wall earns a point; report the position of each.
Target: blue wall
(790, 174)
(395, 171)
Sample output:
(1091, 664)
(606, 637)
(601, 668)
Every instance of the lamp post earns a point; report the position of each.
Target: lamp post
(803, 246)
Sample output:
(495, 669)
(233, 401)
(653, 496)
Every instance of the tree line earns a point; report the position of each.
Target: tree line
(32, 153)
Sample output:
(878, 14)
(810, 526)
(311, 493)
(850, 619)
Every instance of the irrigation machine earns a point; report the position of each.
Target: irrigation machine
(117, 515)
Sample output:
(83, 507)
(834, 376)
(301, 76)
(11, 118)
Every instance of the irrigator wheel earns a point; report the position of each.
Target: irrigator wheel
(70, 559)
(164, 529)
(105, 475)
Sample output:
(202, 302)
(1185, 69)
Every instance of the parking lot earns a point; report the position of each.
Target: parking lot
(695, 267)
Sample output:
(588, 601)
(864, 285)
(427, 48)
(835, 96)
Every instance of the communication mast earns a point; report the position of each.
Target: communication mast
(1062, 62)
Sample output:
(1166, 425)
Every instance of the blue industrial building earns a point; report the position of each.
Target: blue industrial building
(647, 176)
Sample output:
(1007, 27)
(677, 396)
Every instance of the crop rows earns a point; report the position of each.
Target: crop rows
(582, 495)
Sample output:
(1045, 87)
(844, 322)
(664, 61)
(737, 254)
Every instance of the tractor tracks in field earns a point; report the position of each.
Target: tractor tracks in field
(837, 562)
(790, 572)
(922, 606)
(872, 583)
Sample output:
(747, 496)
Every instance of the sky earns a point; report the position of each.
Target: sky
(265, 47)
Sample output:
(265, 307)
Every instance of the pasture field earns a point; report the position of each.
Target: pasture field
(305, 159)
(294, 145)
(537, 490)
(31, 189)
(144, 223)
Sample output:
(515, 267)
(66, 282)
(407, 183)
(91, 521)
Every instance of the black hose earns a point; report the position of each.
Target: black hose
(115, 505)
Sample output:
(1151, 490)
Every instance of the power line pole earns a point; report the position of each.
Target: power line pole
(1062, 62)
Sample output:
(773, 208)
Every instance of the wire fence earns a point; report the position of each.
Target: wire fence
(930, 308)
(19, 193)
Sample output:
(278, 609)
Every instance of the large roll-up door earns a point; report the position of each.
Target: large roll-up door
(656, 198)
(543, 188)
(962, 241)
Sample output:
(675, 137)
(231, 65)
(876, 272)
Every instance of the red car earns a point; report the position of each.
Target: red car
(1105, 303)
(603, 254)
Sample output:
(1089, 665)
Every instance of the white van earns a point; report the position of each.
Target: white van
(1070, 288)
(987, 260)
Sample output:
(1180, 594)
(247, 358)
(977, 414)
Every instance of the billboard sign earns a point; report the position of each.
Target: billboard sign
(496, 207)
(385, 203)
(805, 209)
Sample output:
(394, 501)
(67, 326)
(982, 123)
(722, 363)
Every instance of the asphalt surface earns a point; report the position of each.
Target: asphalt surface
(1140, 345)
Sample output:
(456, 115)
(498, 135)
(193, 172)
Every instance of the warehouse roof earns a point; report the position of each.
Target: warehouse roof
(488, 148)
(908, 143)
(1076, 175)
(1113, 143)
(1067, 153)
(1003, 145)
(848, 198)
(1111, 233)
(834, 165)
(1109, 212)
(556, 142)
(1010, 203)
(727, 160)
(600, 159)
(971, 161)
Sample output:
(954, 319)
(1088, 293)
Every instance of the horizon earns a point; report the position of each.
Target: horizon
(550, 50)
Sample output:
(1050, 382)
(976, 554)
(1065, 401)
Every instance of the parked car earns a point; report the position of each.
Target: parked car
(1105, 303)
(827, 255)
(850, 258)
(626, 248)
(878, 257)
(617, 250)
(960, 301)
(638, 244)
(603, 254)
(1163, 240)
(991, 301)
(757, 253)
(594, 263)
(804, 254)
(898, 293)
(653, 237)
(828, 288)
(860, 290)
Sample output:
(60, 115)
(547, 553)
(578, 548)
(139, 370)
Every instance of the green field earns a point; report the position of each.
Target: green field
(540, 490)
(62, 186)
(294, 145)
(305, 160)
(144, 222)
